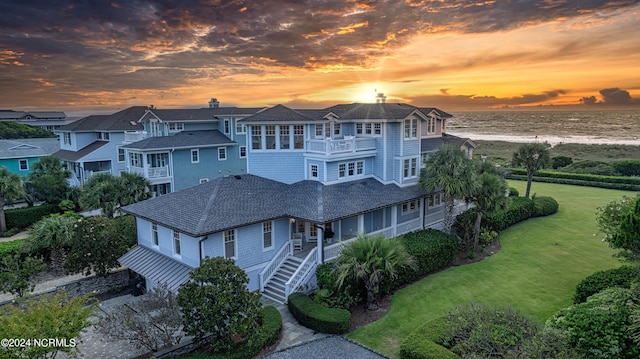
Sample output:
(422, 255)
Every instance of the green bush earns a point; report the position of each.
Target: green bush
(326, 278)
(598, 281)
(598, 328)
(513, 192)
(545, 206)
(628, 167)
(431, 249)
(592, 167)
(561, 161)
(521, 209)
(24, 217)
(317, 317)
(423, 342)
(10, 248)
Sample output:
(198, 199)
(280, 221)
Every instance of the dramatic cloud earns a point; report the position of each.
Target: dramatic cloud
(616, 96)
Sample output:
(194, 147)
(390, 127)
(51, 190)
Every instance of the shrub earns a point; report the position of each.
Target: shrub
(628, 167)
(592, 167)
(10, 248)
(598, 328)
(598, 281)
(317, 317)
(561, 161)
(423, 342)
(513, 192)
(327, 279)
(24, 217)
(545, 205)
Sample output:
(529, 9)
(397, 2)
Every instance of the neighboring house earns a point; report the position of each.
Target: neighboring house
(45, 120)
(18, 156)
(316, 179)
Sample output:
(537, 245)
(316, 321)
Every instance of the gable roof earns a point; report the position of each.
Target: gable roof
(201, 114)
(74, 156)
(236, 201)
(183, 139)
(35, 115)
(125, 120)
(282, 113)
(433, 144)
(28, 147)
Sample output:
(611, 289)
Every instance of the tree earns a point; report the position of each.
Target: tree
(370, 260)
(610, 216)
(109, 193)
(16, 272)
(153, 322)
(98, 242)
(10, 189)
(52, 234)
(489, 195)
(216, 301)
(450, 170)
(531, 156)
(627, 237)
(58, 317)
(48, 177)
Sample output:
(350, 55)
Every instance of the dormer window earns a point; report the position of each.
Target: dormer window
(410, 128)
(431, 125)
(103, 136)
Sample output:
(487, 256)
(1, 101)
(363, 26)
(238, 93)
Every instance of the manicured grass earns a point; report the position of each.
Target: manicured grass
(536, 271)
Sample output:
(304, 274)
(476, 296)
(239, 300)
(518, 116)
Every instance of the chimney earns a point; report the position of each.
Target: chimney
(214, 103)
(381, 98)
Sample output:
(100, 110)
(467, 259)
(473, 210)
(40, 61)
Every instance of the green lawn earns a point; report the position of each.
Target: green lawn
(536, 271)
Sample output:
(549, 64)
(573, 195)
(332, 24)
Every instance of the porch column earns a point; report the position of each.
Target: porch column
(394, 220)
(423, 206)
(320, 241)
(145, 166)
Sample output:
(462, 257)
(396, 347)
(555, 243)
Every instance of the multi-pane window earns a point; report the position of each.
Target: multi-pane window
(256, 137)
(135, 159)
(336, 129)
(377, 128)
(410, 206)
(369, 128)
(314, 171)
(423, 158)
(319, 131)
(435, 199)
(284, 138)
(410, 128)
(154, 234)
(241, 128)
(230, 243)
(121, 155)
(195, 156)
(410, 168)
(243, 151)
(351, 169)
(298, 136)
(270, 137)
(24, 165)
(222, 153)
(176, 126)
(176, 243)
(359, 128)
(267, 235)
(431, 125)
(227, 125)
(67, 138)
(103, 136)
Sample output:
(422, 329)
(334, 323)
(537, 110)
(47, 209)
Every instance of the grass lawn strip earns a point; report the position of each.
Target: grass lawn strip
(536, 271)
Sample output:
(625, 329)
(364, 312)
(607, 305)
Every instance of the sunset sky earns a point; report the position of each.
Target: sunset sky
(100, 56)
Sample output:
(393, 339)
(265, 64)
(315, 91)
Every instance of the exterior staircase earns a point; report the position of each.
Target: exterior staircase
(275, 287)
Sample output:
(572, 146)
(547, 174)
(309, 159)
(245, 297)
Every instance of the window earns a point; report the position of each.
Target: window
(410, 128)
(358, 128)
(67, 138)
(367, 128)
(336, 129)
(222, 153)
(24, 165)
(435, 199)
(285, 142)
(350, 169)
(431, 125)
(319, 131)
(135, 159)
(176, 126)
(121, 156)
(410, 168)
(314, 171)
(270, 137)
(267, 235)
(298, 136)
(423, 158)
(176, 243)
(203, 180)
(103, 136)
(241, 129)
(243, 151)
(230, 243)
(195, 156)
(227, 125)
(377, 128)
(256, 137)
(154, 234)
(410, 206)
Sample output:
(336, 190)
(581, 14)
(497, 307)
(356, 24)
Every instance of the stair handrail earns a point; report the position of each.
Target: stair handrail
(308, 264)
(270, 269)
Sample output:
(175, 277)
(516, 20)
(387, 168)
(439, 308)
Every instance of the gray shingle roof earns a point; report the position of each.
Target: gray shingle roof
(236, 201)
(280, 113)
(28, 147)
(125, 120)
(201, 114)
(432, 144)
(74, 156)
(19, 115)
(184, 139)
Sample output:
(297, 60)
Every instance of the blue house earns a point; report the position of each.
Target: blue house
(315, 180)
(18, 156)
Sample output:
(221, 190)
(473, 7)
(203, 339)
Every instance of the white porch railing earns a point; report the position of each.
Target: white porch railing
(89, 174)
(408, 226)
(152, 172)
(270, 269)
(302, 274)
(134, 136)
(347, 145)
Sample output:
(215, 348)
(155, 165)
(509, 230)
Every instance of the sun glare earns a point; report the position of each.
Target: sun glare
(365, 93)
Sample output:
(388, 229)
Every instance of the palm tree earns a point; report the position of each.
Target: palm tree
(532, 156)
(450, 170)
(135, 188)
(48, 178)
(54, 234)
(488, 196)
(10, 189)
(110, 193)
(370, 260)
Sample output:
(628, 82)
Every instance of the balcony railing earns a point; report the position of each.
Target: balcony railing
(134, 136)
(152, 172)
(346, 145)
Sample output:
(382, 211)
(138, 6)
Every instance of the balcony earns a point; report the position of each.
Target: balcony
(151, 172)
(349, 144)
(134, 136)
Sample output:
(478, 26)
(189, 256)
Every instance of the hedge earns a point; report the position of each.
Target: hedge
(317, 317)
(10, 248)
(608, 185)
(579, 176)
(24, 217)
(598, 281)
(423, 342)
(545, 206)
(627, 167)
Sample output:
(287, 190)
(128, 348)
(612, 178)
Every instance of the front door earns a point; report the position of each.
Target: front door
(308, 229)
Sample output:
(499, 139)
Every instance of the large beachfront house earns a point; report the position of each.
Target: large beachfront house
(315, 180)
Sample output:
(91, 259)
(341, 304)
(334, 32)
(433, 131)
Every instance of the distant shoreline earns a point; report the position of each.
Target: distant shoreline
(552, 140)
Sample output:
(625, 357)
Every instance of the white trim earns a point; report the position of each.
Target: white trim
(240, 151)
(197, 152)
(203, 180)
(178, 241)
(155, 236)
(224, 149)
(265, 249)
(235, 243)
(26, 162)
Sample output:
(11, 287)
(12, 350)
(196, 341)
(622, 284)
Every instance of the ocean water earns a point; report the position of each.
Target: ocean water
(554, 127)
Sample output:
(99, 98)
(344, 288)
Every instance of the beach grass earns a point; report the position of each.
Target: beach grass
(536, 270)
(501, 152)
